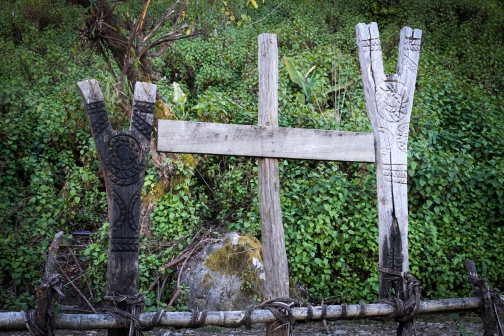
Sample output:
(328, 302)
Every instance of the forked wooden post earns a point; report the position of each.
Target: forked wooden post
(123, 158)
(272, 230)
(389, 100)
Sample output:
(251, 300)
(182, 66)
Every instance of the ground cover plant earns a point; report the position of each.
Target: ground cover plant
(51, 178)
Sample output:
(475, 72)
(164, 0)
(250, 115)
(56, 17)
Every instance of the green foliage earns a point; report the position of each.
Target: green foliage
(51, 178)
(463, 331)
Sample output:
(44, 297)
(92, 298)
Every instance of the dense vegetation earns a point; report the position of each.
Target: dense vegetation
(51, 178)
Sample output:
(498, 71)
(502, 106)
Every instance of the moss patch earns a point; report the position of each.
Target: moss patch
(207, 281)
(163, 111)
(157, 193)
(237, 259)
(231, 258)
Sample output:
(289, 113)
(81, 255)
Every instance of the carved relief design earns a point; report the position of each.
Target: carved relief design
(97, 116)
(126, 164)
(96, 107)
(143, 107)
(410, 65)
(371, 45)
(124, 244)
(143, 112)
(120, 205)
(386, 140)
(392, 100)
(396, 173)
(412, 44)
(142, 126)
(402, 137)
(132, 209)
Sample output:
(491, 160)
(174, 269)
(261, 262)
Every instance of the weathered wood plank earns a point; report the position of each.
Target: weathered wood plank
(389, 99)
(267, 142)
(272, 230)
(123, 158)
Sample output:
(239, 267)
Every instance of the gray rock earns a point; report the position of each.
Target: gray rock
(340, 332)
(225, 275)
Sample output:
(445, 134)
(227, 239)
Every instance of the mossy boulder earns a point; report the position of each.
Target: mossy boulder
(225, 275)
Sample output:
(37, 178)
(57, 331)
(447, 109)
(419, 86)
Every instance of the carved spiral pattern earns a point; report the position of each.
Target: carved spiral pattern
(126, 164)
(392, 101)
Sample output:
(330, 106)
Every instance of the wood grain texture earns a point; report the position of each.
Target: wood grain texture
(44, 293)
(15, 320)
(123, 158)
(272, 231)
(265, 142)
(389, 99)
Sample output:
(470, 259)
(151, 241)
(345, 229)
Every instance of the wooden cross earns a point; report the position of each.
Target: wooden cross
(123, 157)
(268, 142)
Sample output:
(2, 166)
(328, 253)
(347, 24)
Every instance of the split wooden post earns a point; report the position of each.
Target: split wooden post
(389, 99)
(272, 230)
(41, 319)
(123, 158)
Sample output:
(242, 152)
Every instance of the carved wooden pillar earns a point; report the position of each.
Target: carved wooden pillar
(389, 100)
(123, 158)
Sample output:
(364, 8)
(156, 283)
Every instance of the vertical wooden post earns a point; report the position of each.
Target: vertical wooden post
(272, 230)
(40, 320)
(487, 311)
(389, 99)
(123, 158)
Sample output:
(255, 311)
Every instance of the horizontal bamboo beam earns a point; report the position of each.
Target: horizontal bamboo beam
(262, 141)
(15, 320)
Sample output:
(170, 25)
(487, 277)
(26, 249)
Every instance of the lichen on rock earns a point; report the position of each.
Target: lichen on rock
(227, 275)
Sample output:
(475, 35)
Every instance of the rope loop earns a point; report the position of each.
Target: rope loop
(281, 308)
(407, 309)
(129, 317)
(197, 318)
(309, 313)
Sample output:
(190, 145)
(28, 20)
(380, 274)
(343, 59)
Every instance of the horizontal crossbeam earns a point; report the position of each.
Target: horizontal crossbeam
(266, 142)
(15, 320)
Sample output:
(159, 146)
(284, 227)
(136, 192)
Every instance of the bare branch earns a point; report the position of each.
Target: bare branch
(130, 45)
(155, 158)
(125, 108)
(166, 41)
(101, 50)
(162, 20)
(160, 52)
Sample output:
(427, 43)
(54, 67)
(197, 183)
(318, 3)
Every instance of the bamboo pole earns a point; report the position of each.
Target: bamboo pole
(15, 320)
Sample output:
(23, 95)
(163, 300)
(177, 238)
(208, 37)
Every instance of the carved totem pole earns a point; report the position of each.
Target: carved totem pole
(389, 99)
(123, 157)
